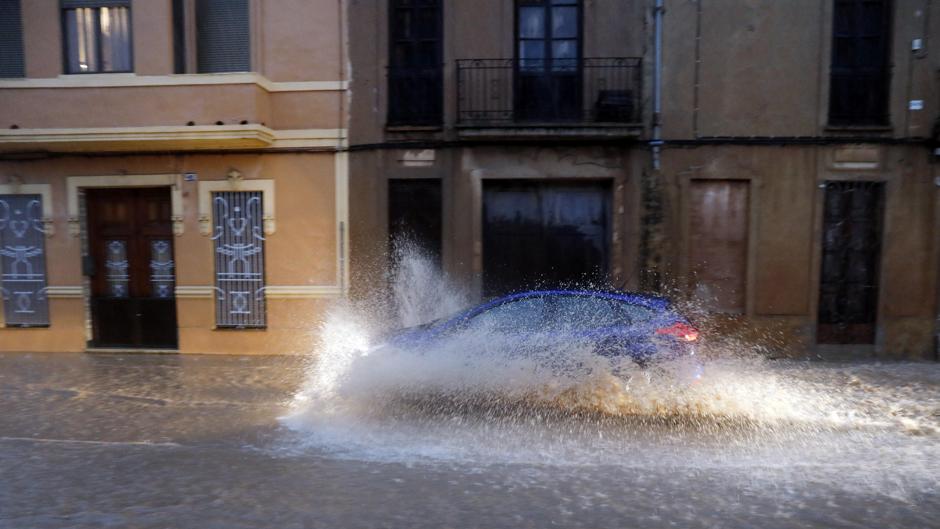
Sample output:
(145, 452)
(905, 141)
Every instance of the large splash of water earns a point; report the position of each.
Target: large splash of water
(471, 396)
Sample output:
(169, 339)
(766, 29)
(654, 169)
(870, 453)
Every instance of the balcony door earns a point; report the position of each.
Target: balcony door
(130, 240)
(548, 66)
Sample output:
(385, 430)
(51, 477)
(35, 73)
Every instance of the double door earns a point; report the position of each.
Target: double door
(131, 266)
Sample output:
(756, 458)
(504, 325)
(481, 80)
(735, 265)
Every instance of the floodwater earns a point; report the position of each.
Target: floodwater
(165, 441)
(466, 436)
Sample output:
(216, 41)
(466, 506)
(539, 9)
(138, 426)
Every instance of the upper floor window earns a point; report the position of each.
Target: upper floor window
(11, 39)
(548, 52)
(859, 76)
(223, 32)
(97, 36)
(415, 63)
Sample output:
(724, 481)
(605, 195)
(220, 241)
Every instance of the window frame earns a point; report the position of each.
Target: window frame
(65, 6)
(883, 119)
(437, 69)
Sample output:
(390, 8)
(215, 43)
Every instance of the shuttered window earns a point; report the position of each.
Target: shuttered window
(23, 261)
(238, 240)
(223, 42)
(860, 74)
(11, 40)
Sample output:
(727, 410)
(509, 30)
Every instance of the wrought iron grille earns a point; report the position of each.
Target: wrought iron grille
(23, 261)
(238, 238)
(500, 92)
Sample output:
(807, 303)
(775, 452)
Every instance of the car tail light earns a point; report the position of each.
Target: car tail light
(682, 331)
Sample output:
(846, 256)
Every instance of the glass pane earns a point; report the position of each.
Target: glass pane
(524, 315)
(564, 22)
(116, 265)
(564, 55)
(580, 312)
(531, 23)
(161, 269)
(532, 55)
(115, 39)
(81, 43)
(402, 26)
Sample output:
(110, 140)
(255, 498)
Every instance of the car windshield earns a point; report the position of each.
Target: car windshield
(518, 315)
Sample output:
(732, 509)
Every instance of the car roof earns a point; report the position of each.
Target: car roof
(645, 300)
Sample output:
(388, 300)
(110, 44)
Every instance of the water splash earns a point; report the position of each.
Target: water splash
(476, 398)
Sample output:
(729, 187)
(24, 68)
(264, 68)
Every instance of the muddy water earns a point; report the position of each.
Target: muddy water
(165, 441)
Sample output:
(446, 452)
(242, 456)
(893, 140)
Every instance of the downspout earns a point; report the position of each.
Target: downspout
(656, 139)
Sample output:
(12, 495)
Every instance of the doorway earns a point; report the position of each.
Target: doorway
(545, 234)
(130, 245)
(548, 60)
(851, 253)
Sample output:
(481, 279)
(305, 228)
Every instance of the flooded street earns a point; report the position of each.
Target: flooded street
(195, 441)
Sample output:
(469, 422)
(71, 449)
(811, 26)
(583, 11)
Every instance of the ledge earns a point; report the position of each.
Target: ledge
(110, 80)
(574, 131)
(160, 138)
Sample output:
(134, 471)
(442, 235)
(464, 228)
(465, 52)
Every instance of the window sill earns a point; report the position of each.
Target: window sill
(859, 128)
(413, 128)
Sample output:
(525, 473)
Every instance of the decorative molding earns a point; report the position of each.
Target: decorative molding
(74, 183)
(117, 139)
(207, 187)
(65, 292)
(118, 80)
(16, 187)
(194, 292)
(270, 292)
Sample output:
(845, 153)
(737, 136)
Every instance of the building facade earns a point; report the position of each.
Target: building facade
(173, 173)
(768, 161)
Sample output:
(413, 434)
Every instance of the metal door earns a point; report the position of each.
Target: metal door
(130, 238)
(851, 253)
(545, 234)
(718, 236)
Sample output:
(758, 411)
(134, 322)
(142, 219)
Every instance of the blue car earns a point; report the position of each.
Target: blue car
(614, 324)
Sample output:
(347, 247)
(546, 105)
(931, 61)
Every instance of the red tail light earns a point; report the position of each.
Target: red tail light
(682, 331)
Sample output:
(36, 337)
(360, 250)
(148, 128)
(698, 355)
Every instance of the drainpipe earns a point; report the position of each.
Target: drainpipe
(656, 140)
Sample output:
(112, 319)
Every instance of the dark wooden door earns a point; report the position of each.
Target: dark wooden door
(133, 278)
(545, 234)
(851, 253)
(718, 236)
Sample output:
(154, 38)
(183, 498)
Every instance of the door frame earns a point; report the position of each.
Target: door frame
(78, 227)
(846, 351)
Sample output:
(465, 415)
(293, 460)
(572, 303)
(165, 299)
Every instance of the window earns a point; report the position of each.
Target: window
(548, 52)
(586, 312)
(23, 261)
(521, 315)
(97, 36)
(238, 241)
(415, 76)
(858, 86)
(223, 31)
(11, 39)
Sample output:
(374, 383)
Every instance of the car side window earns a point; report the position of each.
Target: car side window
(586, 312)
(636, 313)
(520, 315)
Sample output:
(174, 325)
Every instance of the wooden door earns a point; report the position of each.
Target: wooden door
(718, 236)
(851, 254)
(133, 278)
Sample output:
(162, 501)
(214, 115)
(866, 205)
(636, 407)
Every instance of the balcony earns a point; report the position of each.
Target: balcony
(561, 97)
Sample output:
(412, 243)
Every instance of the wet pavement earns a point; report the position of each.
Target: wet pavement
(200, 441)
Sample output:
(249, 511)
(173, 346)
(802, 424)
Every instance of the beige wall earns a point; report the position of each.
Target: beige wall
(301, 254)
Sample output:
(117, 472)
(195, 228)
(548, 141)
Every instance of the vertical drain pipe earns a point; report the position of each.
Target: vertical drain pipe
(656, 140)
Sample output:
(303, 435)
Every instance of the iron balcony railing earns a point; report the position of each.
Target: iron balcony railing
(508, 92)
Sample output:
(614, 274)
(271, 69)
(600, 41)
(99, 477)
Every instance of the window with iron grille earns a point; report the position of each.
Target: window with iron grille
(415, 76)
(859, 76)
(23, 261)
(11, 40)
(238, 242)
(97, 36)
(223, 36)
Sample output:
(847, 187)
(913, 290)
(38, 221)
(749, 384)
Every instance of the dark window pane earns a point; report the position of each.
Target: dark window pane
(415, 81)
(531, 22)
(564, 22)
(115, 39)
(81, 40)
(223, 42)
(858, 93)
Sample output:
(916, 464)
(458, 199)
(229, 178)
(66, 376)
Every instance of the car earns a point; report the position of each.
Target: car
(640, 327)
